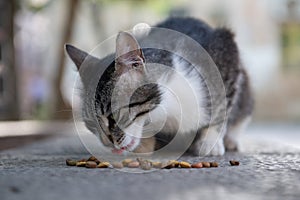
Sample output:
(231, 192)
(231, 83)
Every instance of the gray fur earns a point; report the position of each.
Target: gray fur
(219, 44)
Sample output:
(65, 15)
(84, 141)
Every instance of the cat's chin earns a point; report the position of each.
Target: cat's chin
(117, 151)
(136, 145)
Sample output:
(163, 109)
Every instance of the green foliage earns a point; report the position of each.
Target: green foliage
(36, 5)
(159, 6)
(290, 41)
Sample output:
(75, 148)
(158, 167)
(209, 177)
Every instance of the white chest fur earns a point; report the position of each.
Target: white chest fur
(183, 100)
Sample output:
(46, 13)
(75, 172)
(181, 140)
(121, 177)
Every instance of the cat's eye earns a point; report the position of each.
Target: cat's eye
(135, 65)
(140, 114)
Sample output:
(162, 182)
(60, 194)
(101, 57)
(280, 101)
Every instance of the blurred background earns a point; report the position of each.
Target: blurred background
(36, 77)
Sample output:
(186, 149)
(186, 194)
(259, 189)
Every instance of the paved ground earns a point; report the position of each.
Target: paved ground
(270, 169)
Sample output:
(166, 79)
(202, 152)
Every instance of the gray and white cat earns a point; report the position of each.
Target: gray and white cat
(133, 97)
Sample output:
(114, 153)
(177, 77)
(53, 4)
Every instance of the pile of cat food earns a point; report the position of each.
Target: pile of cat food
(141, 163)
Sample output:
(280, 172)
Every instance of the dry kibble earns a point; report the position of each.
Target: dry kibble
(93, 162)
(117, 165)
(214, 164)
(206, 164)
(140, 160)
(103, 165)
(90, 164)
(167, 165)
(176, 163)
(81, 164)
(157, 165)
(183, 164)
(234, 163)
(70, 162)
(133, 164)
(145, 165)
(170, 164)
(125, 162)
(93, 158)
(197, 165)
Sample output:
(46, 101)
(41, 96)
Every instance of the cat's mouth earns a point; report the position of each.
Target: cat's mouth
(125, 147)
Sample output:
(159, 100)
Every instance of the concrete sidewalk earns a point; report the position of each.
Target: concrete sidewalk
(269, 169)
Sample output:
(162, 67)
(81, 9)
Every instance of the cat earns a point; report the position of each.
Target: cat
(125, 78)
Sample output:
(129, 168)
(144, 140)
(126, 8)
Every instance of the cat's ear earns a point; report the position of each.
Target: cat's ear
(128, 52)
(88, 66)
(77, 55)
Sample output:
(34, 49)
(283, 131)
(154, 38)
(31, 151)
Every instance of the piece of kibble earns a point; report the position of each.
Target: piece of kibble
(70, 162)
(103, 165)
(234, 163)
(176, 163)
(80, 164)
(125, 162)
(145, 165)
(167, 165)
(133, 164)
(184, 164)
(82, 160)
(140, 160)
(117, 165)
(93, 158)
(197, 165)
(90, 164)
(157, 165)
(214, 164)
(206, 164)
(170, 164)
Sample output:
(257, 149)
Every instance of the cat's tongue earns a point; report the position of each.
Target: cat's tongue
(118, 151)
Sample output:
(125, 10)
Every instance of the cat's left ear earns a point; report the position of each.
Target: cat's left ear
(128, 52)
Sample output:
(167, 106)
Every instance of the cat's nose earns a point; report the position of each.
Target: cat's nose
(117, 145)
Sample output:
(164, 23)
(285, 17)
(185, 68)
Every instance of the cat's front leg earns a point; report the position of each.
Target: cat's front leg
(146, 145)
(209, 142)
(231, 139)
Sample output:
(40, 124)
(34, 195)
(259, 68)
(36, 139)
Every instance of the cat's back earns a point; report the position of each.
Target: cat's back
(194, 28)
(219, 43)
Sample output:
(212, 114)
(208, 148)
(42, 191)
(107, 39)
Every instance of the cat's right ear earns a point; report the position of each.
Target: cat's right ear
(89, 67)
(77, 55)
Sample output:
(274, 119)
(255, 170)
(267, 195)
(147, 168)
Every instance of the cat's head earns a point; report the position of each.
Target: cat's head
(120, 106)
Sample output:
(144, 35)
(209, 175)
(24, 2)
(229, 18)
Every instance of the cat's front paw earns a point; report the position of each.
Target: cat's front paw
(231, 144)
(209, 148)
